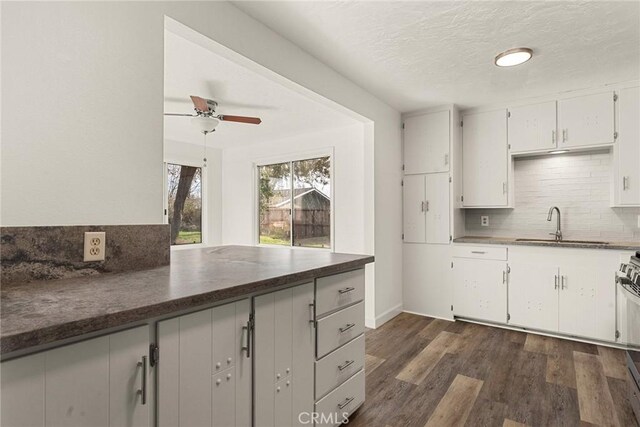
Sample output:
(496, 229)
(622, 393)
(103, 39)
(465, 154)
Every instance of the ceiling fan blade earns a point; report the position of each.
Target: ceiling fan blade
(240, 119)
(180, 114)
(200, 103)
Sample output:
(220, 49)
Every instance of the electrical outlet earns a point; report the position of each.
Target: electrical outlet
(94, 244)
(484, 220)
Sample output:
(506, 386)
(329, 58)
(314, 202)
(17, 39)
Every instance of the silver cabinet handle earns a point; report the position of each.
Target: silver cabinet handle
(555, 279)
(553, 137)
(346, 327)
(345, 365)
(312, 311)
(446, 159)
(345, 402)
(564, 135)
(346, 290)
(143, 387)
(247, 346)
(563, 285)
(427, 202)
(504, 277)
(478, 252)
(625, 182)
(504, 188)
(422, 206)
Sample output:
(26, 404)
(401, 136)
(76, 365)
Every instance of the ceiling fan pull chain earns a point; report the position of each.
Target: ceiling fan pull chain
(204, 149)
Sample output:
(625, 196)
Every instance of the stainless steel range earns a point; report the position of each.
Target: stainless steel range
(628, 279)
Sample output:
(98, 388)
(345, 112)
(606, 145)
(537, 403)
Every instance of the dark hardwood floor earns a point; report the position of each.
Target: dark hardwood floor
(429, 372)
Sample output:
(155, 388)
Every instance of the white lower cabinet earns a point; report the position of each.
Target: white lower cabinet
(204, 376)
(570, 291)
(480, 285)
(284, 356)
(99, 382)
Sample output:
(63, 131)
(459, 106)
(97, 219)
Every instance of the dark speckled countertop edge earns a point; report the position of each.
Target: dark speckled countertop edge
(37, 338)
(512, 241)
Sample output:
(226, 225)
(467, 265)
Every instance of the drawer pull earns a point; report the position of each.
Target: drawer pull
(345, 403)
(347, 327)
(346, 290)
(478, 252)
(345, 365)
(143, 390)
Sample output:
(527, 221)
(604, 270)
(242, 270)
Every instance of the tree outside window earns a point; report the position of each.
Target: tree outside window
(295, 203)
(185, 203)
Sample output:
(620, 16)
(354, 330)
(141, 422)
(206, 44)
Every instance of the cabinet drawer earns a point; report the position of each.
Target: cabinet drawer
(340, 290)
(333, 369)
(480, 252)
(340, 403)
(339, 328)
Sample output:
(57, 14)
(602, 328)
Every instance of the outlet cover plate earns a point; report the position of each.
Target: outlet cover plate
(94, 245)
(484, 220)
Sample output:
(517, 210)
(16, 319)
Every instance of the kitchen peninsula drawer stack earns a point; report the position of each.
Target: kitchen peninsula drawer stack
(340, 346)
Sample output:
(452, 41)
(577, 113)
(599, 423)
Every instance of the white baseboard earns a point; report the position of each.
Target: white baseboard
(383, 318)
(450, 319)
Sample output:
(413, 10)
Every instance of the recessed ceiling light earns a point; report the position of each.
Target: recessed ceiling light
(558, 152)
(512, 57)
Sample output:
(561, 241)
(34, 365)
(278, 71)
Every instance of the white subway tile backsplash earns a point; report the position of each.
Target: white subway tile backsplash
(578, 183)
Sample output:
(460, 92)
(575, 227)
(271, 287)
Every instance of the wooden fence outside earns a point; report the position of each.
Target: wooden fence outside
(307, 223)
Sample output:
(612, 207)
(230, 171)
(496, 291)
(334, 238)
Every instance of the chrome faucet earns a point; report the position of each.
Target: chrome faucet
(558, 233)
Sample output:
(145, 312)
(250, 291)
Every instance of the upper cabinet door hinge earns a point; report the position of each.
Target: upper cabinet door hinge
(615, 135)
(450, 179)
(402, 236)
(403, 167)
(450, 238)
(403, 126)
(615, 97)
(462, 198)
(451, 307)
(402, 183)
(508, 317)
(461, 123)
(508, 114)
(451, 264)
(154, 355)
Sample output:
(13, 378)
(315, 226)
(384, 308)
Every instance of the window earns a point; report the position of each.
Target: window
(184, 186)
(294, 203)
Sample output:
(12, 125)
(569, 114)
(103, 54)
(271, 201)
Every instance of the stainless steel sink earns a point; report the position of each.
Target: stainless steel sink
(576, 242)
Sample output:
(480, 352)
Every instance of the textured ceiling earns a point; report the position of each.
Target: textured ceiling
(418, 54)
(191, 69)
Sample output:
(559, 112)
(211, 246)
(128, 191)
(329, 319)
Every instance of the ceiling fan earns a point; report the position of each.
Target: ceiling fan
(206, 118)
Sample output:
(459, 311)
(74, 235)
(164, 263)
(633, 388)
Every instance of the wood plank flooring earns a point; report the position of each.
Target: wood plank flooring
(430, 372)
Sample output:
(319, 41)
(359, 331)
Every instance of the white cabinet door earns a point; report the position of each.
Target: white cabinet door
(586, 120)
(532, 128)
(437, 208)
(22, 391)
(283, 342)
(129, 378)
(628, 147)
(414, 207)
(192, 347)
(588, 294)
(533, 288)
(77, 384)
(426, 143)
(480, 289)
(485, 159)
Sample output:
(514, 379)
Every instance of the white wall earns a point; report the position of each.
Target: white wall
(92, 73)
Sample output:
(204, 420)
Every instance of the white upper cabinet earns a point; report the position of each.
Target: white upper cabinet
(586, 120)
(628, 147)
(485, 159)
(426, 143)
(532, 128)
(426, 208)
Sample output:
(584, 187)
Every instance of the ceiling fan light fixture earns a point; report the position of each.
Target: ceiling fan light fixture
(205, 124)
(511, 57)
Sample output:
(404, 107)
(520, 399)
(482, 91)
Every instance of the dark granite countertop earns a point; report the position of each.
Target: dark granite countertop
(508, 241)
(39, 313)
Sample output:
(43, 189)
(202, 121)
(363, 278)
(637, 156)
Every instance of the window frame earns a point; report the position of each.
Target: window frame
(291, 158)
(205, 205)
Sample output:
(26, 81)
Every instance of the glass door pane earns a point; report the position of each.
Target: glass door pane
(312, 203)
(185, 203)
(275, 204)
